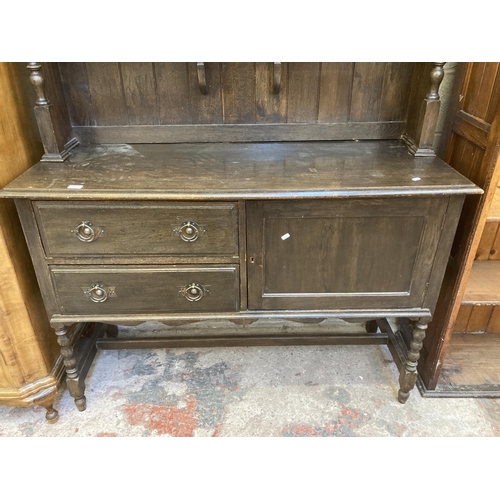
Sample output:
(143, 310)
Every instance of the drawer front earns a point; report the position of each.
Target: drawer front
(145, 289)
(110, 229)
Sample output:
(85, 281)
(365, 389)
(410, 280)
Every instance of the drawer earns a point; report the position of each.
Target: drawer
(154, 228)
(145, 289)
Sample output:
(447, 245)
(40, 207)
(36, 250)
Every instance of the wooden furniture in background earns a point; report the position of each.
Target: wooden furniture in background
(239, 192)
(461, 355)
(31, 368)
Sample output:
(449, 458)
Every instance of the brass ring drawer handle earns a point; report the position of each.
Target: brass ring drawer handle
(87, 232)
(99, 292)
(189, 231)
(194, 291)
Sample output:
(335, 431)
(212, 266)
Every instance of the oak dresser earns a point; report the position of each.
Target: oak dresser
(185, 192)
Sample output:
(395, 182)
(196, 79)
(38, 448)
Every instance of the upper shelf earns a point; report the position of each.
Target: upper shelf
(161, 102)
(227, 171)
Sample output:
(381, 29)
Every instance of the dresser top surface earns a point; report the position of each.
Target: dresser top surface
(229, 171)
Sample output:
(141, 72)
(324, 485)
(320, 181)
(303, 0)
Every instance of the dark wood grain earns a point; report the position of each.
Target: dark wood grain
(395, 91)
(240, 132)
(367, 87)
(270, 107)
(139, 87)
(213, 341)
(76, 89)
(106, 88)
(173, 96)
(32, 236)
(239, 316)
(206, 108)
(138, 228)
(419, 88)
(319, 255)
(303, 92)
(238, 92)
(335, 92)
(241, 171)
(58, 107)
(142, 289)
(242, 242)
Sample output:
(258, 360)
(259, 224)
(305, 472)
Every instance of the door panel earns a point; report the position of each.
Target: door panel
(330, 254)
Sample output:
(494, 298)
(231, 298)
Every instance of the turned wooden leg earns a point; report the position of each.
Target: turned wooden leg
(408, 375)
(75, 384)
(52, 414)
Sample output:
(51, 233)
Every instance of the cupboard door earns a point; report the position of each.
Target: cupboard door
(342, 253)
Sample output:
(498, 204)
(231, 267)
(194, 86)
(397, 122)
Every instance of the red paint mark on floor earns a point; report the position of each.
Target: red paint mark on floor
(349, 419)
(164, 419)
(217, 430)
(106, 434)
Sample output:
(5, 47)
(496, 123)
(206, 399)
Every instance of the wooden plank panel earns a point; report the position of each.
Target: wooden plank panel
(367, 87)
(472, 360)
(495, 99)
(206, 108)
(456, 155)
(238, 92)
(483, 285)
(59, 114)
(237, 132)
(270, 107)
(494, 322)
(486, 89)
(396, 90)
(472, 96)
(106, 89)
(416, 110)
(172, 89)
(472, 128)
(495, 248)
(140, 93)
(471, 158)
(494, 212)
(303, 90)
(462, 319)
(487, 239)
(479, 318)
(76, 88)
(335, 92)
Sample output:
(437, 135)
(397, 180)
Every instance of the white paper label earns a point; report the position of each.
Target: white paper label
(75, 186)
(285, 236)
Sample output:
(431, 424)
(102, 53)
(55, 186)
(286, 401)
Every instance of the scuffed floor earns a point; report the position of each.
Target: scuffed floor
(252, 391)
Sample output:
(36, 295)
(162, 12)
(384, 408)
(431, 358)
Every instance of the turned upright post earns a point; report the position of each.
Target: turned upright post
(424, 110)
(53, 124)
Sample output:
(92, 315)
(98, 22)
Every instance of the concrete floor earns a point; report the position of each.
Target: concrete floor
(252, 391)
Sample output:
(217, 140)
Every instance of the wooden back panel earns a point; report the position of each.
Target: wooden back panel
(364, 100)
